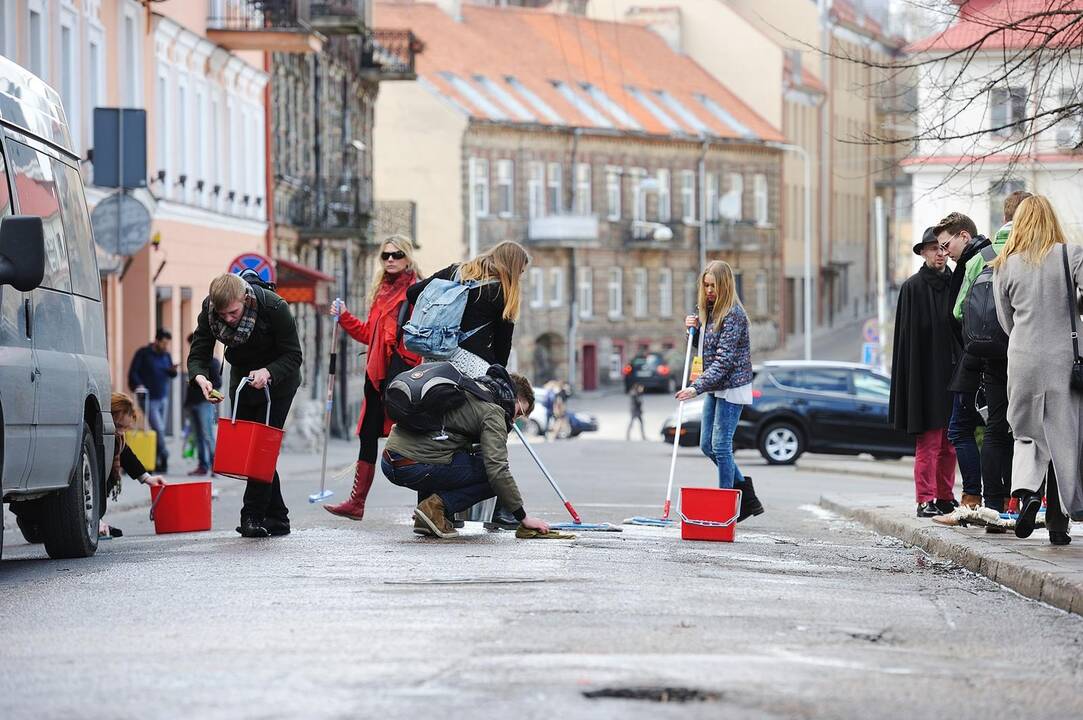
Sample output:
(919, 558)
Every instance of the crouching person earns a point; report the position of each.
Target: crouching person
(465, 460)
(260, 336)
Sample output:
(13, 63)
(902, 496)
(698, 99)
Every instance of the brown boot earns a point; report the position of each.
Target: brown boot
(354, 507)
(971, 501)
(430, 512)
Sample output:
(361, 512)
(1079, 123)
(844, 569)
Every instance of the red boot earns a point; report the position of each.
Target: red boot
(354, 508)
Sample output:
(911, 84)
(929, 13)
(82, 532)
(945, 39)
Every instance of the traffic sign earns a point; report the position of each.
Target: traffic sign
(870, 354)
(871, 333)
(121, 224)
(254, 261)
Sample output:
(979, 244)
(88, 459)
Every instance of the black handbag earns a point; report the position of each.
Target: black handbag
(396, 364)
(1076, 380)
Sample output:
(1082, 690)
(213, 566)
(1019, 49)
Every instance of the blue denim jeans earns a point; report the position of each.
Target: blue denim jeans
(964, 421)
(203, 416)
(716, 438)
(460, 484)
(156, 415)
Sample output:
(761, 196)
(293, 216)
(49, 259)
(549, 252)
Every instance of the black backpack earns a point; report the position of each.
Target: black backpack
(982, 335)
(419, 398)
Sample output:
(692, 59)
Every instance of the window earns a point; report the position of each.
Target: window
(556, 287)
(536, 189)
(182, 124)
(479, 174)
(639, 195)
(95, 74)
(38, 41)
(759, 189)
(691, 291)
(586, 292)
(870, 386)
(616, 293)
(505, 188)
(664, 210)
(131, 61)
(69, 73)
(199, 132)
(761, 291)
(82, 257)
(712, 197)
(552, 189)
(688, 196)
(1070, 128)
(612, 193)
(665, 292)
(1008, 107)
(733, 202)
(823, 380)
(639, 292)
(537, 287)
(582, 189)
(998, 193)
(36, 187)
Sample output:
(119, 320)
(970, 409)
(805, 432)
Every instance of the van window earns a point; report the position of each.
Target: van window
(5, 193)
(36, 189)
(82, 259)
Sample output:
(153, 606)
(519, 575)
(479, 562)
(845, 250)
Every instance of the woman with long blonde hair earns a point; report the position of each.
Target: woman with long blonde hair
(1035, 284)
(726, 382)
(386, 356)
(491, 308)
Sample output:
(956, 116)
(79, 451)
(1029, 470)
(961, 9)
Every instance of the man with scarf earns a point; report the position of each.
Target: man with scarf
(448, 473)
(921, 368)
(260, 336)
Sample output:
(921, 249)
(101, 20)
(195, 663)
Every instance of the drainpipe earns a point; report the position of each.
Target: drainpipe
(573, 294)
(825, 148)
(318, 187)
(703, 205)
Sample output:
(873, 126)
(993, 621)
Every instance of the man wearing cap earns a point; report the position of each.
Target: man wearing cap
(920, 373)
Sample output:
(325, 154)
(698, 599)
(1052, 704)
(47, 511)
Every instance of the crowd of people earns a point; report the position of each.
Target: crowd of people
(986, 373)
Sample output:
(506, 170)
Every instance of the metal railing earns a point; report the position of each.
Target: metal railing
(255, 15)
(333, 204)
(389, 52)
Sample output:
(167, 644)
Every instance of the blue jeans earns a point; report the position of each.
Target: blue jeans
(156, 415)
(964, 421)
(460, 484)
(203, 416)
(716, 438)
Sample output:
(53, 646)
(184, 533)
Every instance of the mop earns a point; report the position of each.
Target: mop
(664, 521)
(324, 493)
(577, 523)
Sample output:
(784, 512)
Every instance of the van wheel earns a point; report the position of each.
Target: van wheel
(70, 518)
(781, 443)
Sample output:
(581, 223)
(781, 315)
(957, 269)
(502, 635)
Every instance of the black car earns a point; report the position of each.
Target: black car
(656, 372)
(824, 407)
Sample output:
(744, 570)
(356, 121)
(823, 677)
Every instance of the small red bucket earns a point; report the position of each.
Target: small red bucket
(709, 513)
(247, 450)
(181, 507)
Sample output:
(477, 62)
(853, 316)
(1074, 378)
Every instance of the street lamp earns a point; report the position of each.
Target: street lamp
(808, 239)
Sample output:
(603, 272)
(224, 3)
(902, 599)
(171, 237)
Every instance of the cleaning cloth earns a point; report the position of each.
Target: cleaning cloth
(525, 533)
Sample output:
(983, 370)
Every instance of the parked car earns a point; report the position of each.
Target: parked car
(825, 407)
(579, 422)
(58, 433)
(656, 372)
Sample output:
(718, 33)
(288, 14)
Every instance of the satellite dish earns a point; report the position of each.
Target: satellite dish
(121, 224)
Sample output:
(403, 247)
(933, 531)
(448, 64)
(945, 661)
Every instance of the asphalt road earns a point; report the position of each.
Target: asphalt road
(806, 615)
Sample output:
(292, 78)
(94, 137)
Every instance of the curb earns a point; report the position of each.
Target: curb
(1031, 577)
(882, 474)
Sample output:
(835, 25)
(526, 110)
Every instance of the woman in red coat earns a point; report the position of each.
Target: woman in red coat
(380, 332)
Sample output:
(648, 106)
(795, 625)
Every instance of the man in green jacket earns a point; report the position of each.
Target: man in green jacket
(260, 336)
(465, 463)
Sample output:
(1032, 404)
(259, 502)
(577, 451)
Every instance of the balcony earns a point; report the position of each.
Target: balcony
(332, 208)
(563, 230)
(727, 235)
(389, 55)
(263, 26)
(338, 17)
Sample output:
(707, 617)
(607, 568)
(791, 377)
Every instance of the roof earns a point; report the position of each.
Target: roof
(1009, 24)
(26, 101)
(807, 81)
(528, 66)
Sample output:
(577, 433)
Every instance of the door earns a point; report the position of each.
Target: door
(826, 401)
(55, 331)
(872, 391)
(16, 370)
(590, 367)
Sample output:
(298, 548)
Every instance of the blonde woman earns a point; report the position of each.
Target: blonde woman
(1035, 303)
(726, 382)
(386, 357)
(491, 308)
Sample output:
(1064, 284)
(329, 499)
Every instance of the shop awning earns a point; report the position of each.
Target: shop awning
(301, 284)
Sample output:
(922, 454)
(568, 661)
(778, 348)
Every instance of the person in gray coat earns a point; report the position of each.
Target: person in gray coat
(1034, 300)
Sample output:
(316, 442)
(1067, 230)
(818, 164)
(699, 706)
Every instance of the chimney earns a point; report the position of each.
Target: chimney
(454, 8)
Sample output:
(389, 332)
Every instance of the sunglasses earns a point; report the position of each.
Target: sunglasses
(944, 245)
(398, 255)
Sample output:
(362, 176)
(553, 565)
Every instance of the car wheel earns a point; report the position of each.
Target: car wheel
(70, 518)
(533, 427)
(30, 529)
(781, 443)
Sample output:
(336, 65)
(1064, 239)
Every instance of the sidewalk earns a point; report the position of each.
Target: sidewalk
(1031, 567)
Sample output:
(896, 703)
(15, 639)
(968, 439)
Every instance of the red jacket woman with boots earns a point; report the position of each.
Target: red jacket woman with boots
(380, 333)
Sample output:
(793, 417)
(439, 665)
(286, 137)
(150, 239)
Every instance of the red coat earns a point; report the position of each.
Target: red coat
(379, 332)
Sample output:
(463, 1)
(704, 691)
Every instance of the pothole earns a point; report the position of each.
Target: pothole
(655, 694)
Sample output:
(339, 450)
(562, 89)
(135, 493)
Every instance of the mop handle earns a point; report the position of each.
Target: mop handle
(541, 466)
(677, 427)
(330, 402)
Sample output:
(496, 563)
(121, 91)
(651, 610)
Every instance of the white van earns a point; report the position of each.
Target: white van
(56, 430)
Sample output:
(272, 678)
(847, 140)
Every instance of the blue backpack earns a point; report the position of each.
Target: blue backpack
(434, 330)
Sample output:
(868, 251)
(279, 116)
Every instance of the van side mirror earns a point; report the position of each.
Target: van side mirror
(22, 252)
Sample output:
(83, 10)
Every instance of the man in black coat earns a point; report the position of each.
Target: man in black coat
(921, 370)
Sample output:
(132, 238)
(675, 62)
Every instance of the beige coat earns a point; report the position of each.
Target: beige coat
(1045, 415)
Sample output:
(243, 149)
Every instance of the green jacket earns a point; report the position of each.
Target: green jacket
(975, 265)
(475, 421)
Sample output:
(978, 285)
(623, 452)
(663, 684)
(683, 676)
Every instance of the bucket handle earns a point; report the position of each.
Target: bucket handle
(716, 523)
(158, 499)
(237, 398)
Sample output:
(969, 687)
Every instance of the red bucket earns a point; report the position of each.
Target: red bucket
(247, 450)
(709, 513)
(181, 507)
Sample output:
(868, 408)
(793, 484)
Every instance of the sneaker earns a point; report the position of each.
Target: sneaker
(420, 528)
(946, 506)
(502, 520)
(431, 512)
(928, 509)
(198, 472)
